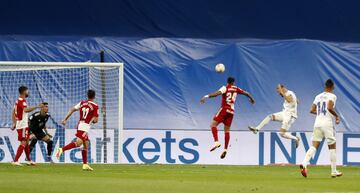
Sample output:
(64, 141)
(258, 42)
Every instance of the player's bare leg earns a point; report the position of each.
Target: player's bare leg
(214, 131)
(86, 166)
(69, 146)
(309, 154)
(334, 172)
(262, 124)
(227, 139)
(285, 134)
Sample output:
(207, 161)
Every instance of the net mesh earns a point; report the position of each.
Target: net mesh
(62, 88)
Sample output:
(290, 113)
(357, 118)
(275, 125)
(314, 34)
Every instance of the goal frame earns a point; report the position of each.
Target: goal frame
(55, 65)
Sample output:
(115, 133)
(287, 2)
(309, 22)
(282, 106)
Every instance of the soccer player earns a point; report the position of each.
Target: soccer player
(20, 123)
(287, 116)
(324, 109)
(226, 111)
(38, 130)
(89, 113)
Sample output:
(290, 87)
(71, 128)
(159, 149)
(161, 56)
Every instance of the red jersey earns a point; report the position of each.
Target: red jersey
(88, 111)
(21, 116)
(229, 93)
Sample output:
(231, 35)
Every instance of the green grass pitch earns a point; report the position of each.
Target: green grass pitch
(69, 178)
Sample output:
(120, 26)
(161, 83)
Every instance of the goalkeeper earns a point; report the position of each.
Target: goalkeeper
(38, 130)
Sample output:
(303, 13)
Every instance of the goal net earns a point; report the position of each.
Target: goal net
(63, 85)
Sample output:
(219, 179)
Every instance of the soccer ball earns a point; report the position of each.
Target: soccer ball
(220, 68)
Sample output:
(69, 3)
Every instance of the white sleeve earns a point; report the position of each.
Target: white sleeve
(315, 101)
(77, 107)
(222, 89)
(334, 99)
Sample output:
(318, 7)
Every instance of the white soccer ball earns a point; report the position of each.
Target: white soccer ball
(220, 68)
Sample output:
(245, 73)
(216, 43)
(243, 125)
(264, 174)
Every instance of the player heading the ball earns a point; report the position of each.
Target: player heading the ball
(226, 112)
(89, 113)
(287, 116)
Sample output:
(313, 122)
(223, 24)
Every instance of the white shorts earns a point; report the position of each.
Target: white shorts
(320, 133)
(286, 119)
(83, 126)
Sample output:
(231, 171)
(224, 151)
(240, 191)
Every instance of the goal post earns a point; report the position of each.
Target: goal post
(63, 85)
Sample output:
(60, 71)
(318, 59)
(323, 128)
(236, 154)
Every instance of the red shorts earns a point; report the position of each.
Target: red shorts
(23, 134)
(83, 135)
(224, 116)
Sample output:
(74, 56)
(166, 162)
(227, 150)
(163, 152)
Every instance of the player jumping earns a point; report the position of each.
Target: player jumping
(324, 109)
(20, 123)
(38, 130)
(287, 116)
(226, 111)
(89, 113)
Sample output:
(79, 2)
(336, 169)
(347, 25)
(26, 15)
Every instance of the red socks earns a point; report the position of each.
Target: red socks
(227, 139)
(215, 133)
(19, 152)
(69, 146)
(83, 151)
(27, 152)
(84, 156)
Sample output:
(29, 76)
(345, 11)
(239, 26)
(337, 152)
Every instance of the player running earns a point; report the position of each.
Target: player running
(20, 123)
(287, 116)
(38, 130)
(226, 111)
(324, 109)
(89, 113)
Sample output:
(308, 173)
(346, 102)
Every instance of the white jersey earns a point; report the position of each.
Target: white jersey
(323, 117)
(290, 108)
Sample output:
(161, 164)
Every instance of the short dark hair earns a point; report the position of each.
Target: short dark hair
(45, 103)
(91, 94)
(22, 89)
(230, 80)
(329, 83)
(282, 86)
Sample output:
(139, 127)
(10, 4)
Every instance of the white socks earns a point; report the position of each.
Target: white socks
(264, 122)
(287, 135)
(309, 154)
(333, 160)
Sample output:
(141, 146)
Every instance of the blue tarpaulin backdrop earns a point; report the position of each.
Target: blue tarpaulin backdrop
(281, 19)
(166, 77)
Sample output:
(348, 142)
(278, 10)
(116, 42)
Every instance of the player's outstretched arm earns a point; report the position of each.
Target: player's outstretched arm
(68, 115)
(13, 118)
(95, 120)
(211, 95)
(333, 112)
(29, 109)
(313, 109)
(47, 133)
(251, 98)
